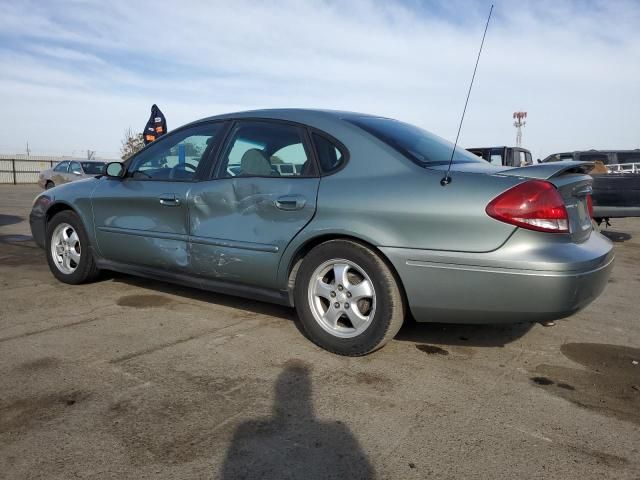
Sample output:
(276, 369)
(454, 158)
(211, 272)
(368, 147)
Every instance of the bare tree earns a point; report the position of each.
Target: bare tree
(131, 143)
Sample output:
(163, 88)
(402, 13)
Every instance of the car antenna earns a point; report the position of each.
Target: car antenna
(446, 180)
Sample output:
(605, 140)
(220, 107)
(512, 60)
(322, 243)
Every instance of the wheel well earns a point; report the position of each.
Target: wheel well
(294, 266)
(55, 209)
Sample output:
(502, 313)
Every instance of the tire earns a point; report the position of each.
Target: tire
(73, 262)
(49, 185)
(367, 285)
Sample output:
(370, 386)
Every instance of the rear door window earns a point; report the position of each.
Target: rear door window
(330, 156)
(75, 167)
(266, 149)
(62, 167)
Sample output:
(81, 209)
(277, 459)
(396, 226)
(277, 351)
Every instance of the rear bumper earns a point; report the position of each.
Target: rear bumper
(520, 282)
(615, 212)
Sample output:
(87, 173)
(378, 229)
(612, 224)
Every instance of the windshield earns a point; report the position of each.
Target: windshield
(417, 144)
(93, 168)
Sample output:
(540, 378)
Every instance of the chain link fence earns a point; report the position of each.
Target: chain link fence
(19, 169)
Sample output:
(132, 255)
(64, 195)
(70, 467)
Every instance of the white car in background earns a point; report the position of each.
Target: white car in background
(70, 171)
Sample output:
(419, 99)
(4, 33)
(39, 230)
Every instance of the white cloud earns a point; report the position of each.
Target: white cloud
(75, 74)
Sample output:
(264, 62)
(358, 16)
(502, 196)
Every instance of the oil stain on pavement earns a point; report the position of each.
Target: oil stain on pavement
(39, 364)
(21, 254)
(144, 301)
(432, 349)
(609, 383)
(21, 414)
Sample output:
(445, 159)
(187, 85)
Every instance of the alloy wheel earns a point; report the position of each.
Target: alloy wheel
(342, 298)
(65, 248)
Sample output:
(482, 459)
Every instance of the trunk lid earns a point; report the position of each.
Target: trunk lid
(569, 177)
(573, 183)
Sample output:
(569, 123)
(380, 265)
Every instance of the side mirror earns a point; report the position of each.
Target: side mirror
(76, 172)
(115, 170)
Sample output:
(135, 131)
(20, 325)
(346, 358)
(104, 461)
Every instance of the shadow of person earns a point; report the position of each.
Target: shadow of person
(293, 444)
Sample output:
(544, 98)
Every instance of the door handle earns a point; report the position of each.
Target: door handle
(169, 200)
(291, 202)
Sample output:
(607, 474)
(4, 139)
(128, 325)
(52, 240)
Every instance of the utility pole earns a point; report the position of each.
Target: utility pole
(91, 154)
(519, 123)
(28, 149)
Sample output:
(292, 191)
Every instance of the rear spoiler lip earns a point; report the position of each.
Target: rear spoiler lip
(545, 171)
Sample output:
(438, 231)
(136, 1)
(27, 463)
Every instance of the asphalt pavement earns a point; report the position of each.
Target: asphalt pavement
(131, 378)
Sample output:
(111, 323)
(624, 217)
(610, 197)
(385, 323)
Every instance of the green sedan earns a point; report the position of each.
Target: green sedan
(343, 216)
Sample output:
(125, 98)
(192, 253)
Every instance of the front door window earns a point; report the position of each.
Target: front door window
(178, 156)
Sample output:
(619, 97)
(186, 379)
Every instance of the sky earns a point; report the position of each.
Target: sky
(74, 75)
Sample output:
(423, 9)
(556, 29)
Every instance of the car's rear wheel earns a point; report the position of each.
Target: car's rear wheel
(49, 185)
(67, 248)
(347, 298)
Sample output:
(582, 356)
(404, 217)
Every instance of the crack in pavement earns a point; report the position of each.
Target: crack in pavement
(179, 341)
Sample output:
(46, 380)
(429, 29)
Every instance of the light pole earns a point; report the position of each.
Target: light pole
(519, 123)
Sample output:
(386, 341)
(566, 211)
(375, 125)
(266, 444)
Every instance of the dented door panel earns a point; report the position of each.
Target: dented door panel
(239, 227)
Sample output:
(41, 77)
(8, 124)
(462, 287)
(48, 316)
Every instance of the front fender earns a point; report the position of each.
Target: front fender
(74, 196)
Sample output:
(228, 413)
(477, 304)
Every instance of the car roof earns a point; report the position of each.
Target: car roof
(487, 148)
(83, 160)
(299, 115)
(594, 151)
(499, 146)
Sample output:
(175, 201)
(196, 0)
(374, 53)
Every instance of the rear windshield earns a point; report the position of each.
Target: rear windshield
(418, 145)
(629, 157)
(93, 168)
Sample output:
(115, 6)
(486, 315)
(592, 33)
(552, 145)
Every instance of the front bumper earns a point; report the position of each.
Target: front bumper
(37, 222)
(526, 280)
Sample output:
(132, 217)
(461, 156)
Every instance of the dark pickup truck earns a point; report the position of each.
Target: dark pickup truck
(507, 156)
(616, 180)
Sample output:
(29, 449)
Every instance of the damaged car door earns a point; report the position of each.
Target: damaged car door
(262, 194)
(141, 219)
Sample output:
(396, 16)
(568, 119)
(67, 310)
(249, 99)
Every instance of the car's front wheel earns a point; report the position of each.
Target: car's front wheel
(348, 299)
(67, 249)
(49, 185)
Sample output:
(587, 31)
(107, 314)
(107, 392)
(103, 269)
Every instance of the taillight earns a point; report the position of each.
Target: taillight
(590, 205)
(534, 204)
